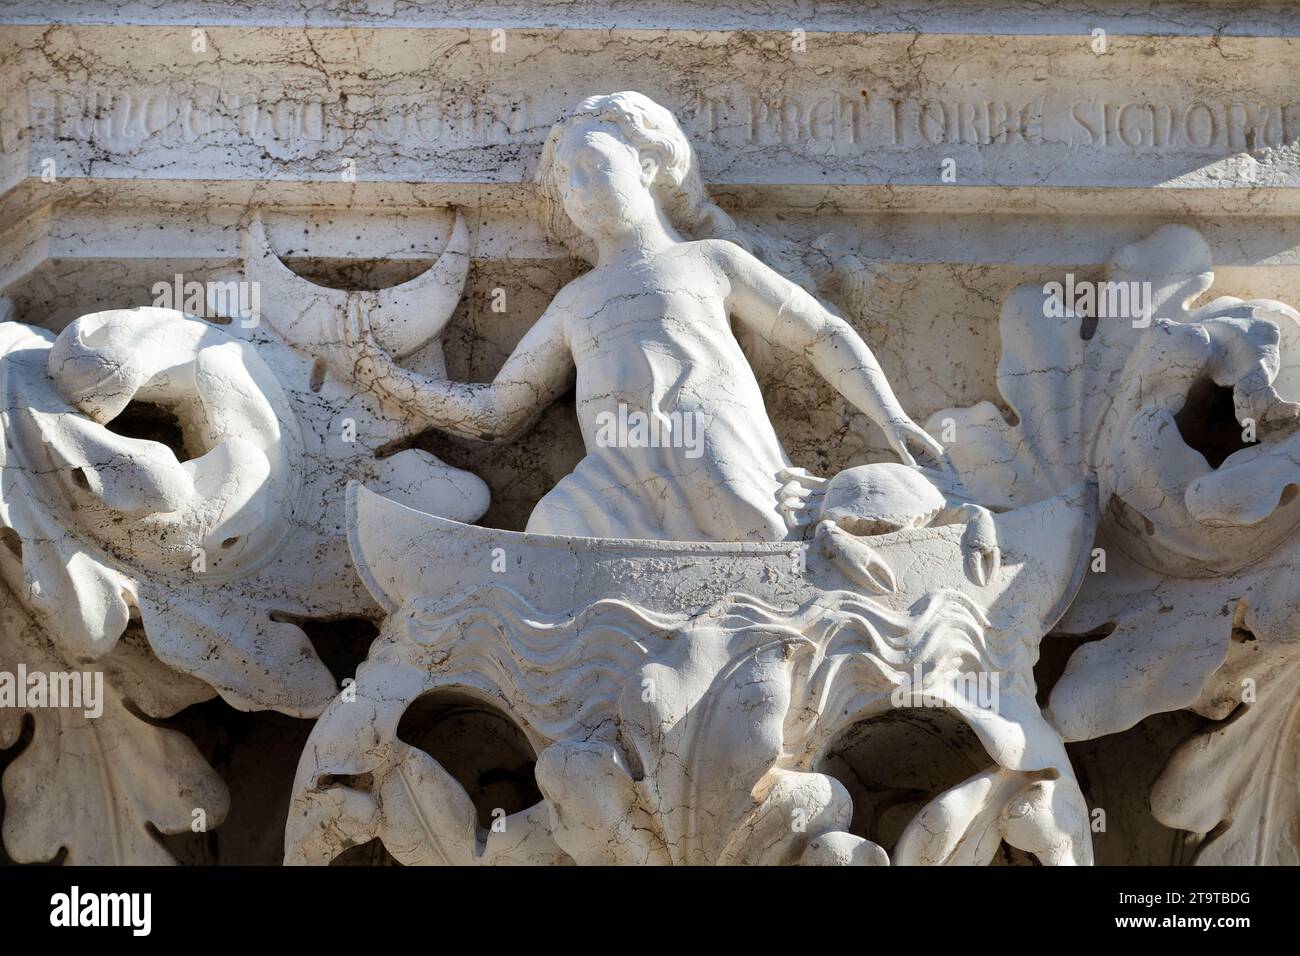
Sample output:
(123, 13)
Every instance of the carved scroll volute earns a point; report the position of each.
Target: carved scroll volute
(113, 527)
(106, 573)
(235, 495)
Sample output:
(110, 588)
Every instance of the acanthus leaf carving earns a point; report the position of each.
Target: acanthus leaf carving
(1198, 531)
(695, 646)
(170, 574)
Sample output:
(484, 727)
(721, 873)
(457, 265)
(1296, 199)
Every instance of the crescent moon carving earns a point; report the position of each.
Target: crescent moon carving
(404, 317)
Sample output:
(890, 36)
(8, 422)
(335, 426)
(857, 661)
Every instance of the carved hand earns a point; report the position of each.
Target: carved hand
(800, 496)
(899, 431)
(361, 359)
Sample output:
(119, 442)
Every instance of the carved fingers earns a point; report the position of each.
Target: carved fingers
(362, 359)
(903, 432)
(800, 496)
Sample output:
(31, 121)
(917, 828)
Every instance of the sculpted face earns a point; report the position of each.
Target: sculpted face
(605, 181)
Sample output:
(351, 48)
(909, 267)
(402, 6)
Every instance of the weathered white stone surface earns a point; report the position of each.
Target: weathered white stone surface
(561, 457)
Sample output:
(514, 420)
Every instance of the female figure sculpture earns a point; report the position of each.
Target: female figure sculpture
(679, 444)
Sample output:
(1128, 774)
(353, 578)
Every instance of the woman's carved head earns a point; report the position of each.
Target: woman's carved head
(610, 159)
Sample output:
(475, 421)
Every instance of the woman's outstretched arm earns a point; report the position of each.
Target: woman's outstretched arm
(786, 315)
(536, 373)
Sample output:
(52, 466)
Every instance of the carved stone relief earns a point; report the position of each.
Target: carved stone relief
(614, 458)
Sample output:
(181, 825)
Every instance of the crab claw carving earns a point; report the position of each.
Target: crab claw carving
(980, 541)
(860, 562)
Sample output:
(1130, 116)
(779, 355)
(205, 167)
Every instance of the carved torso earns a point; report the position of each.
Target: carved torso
(653, 339)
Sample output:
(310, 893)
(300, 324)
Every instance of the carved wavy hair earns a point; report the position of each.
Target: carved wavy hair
(648, 127)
